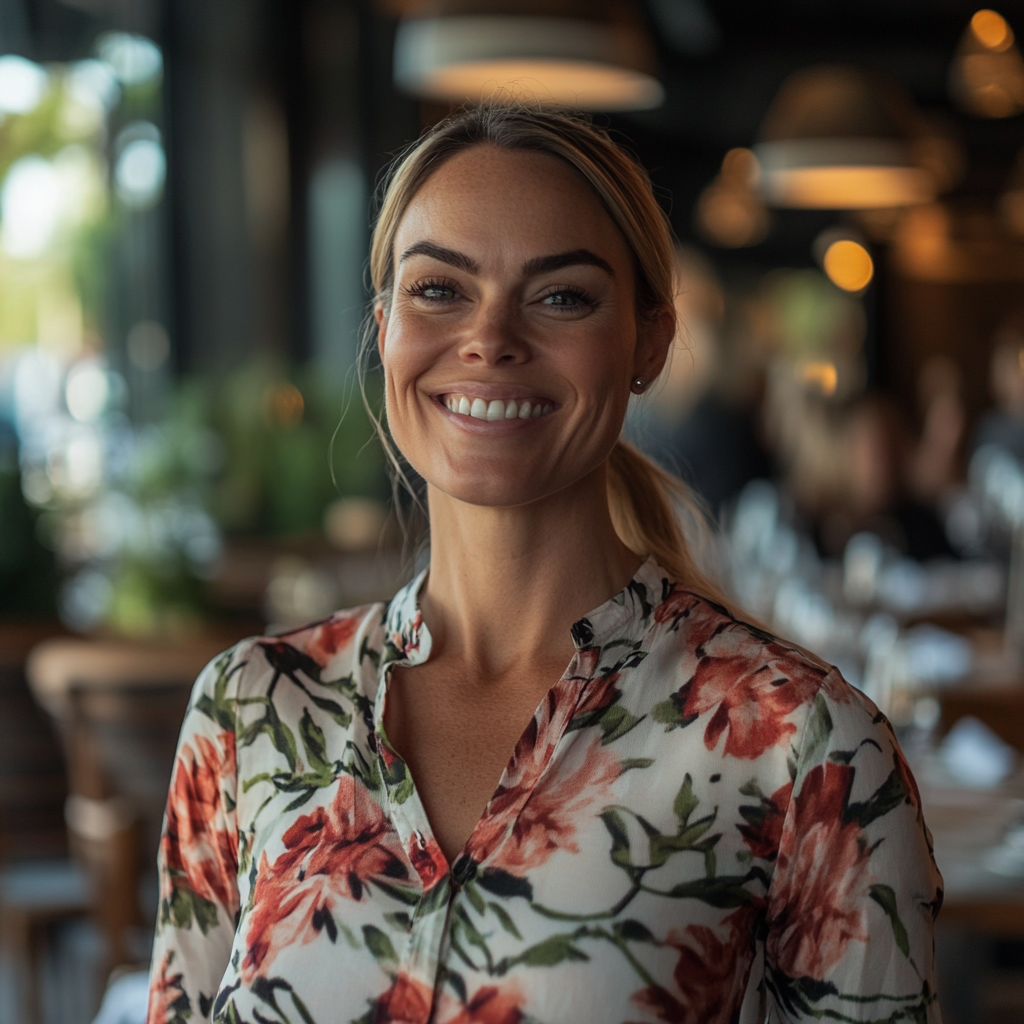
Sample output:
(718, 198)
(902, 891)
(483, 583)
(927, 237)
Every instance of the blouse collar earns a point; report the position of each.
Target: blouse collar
(626, 616)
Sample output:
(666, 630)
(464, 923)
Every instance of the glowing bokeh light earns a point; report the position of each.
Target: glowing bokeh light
(140, 172)
(30, 207)
(86, 392)
(849, 265)
(822, 375)
(135, 59)
(22, 84)
(93, 84)
(992, 31)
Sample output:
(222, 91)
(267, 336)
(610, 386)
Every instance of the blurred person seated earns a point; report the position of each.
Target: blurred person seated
(1004, 425)
(883, 462)
(702, 422)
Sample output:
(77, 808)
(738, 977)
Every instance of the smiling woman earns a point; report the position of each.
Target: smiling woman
(554, 778)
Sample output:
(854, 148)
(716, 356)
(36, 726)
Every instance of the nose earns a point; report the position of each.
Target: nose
(494, 340)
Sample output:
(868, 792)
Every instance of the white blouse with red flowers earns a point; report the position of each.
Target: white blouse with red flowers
(701, 823)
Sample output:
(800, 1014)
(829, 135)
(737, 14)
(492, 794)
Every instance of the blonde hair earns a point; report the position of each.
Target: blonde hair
(644, 500)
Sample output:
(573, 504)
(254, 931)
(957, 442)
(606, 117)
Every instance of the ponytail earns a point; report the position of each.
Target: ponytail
(648, 507)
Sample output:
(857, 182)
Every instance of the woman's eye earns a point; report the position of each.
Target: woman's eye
(437, 293)
(566, 300)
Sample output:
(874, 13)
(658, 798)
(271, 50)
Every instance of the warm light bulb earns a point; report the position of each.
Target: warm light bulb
(849, 265)
(992, 31)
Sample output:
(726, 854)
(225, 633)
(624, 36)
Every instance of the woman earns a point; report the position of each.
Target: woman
(698, 822)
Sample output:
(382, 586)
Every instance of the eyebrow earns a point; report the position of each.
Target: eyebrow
(578, 257)
(452, 257)
(538, 265)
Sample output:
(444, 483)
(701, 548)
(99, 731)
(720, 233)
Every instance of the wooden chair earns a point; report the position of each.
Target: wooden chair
(118, 707)
(39, 886)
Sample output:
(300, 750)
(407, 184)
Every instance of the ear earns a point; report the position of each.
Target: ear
(382, 326)
(653, 343)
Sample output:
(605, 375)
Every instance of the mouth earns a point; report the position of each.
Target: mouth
(496, 408)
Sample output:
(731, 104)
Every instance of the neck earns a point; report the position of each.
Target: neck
(506, 584)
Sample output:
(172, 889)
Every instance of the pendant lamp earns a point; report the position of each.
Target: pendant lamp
(589, 56)
(840, 138)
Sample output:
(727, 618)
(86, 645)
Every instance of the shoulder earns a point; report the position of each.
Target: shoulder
(327, 648)
(756, 689)
(712, 634)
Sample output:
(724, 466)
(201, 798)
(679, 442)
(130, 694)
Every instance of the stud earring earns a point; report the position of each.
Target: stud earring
(639, 384)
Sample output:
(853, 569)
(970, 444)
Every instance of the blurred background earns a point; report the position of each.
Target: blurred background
(185, 194)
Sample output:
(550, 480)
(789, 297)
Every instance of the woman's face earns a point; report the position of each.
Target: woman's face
(512, 336)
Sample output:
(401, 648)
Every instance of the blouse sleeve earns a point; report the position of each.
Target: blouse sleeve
(198, 858)
(852, 903)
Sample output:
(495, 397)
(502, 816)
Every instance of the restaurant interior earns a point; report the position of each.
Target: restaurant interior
(186, 192)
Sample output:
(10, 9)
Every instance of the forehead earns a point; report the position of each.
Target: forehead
(515, 202)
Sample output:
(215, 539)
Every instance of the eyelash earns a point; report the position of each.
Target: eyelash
(573, 290)
(420, 288)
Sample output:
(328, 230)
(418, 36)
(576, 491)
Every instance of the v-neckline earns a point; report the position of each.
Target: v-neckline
(409, 644)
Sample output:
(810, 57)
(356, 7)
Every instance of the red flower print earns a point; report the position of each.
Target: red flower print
(490, 1005)
(559, 805)
(407, 1002)
(168, 1001)
(816, 895)
(753, 693)
(428, 860)
(329, 855)
(839, 691)
(599, 695)
(195, 851)
(763, 836)
(710, 975)
(323, 641)
(703, 622)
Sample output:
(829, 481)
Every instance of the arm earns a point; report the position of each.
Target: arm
(855, 892)
(198, 859)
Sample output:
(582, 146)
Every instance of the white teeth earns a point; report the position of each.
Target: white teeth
(496, 409)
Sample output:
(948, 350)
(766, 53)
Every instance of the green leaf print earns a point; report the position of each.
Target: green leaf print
(816, 734)
(185, 905)
(503, 884)
(670, 713)
(628, 763)
(634, 931)
(885, 897)
(278, 732)
(552, 951)
(504, 919)
(314, 744)
(685, 801)
(615, 722)
(887, 797)
(620, 852)
(379, 944)
(723, 892)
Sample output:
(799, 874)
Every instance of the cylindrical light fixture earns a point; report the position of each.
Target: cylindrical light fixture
(840, 138)
(586, 56)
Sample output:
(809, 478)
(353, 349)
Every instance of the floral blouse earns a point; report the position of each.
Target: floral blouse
(701, 823)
